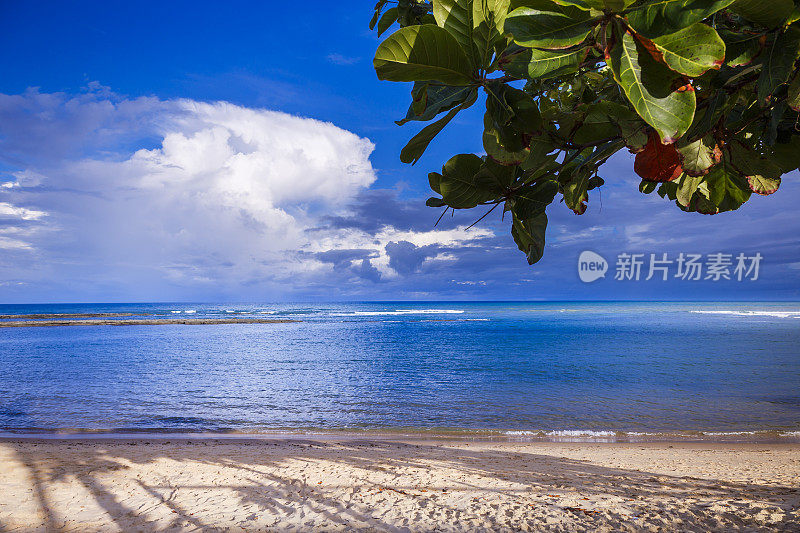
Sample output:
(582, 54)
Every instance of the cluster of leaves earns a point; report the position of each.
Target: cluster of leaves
(706, 93)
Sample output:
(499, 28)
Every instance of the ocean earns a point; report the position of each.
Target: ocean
(538, 370)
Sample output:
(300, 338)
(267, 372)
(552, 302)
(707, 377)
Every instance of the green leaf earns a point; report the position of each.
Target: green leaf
(698, 157)
(692, 51)
(647, 187)
(648, 86)
(543, 64)
(430, 99)
(387, 20)
(595, 126)
(434, 179)
(631, 127)
(662, 17)
(496, 176)
(529, 235)
(793, 96)
(686, 187)
(725, 188)
(531, 200)
(495, 149)
(459, 186)
(752, 165)
(423, 53)
(455, 16)
(786, 155)
(412, 151)
(741, 48)
(779, 58)
(544, 29)
(435, 202)
(576, 190)
(378, 8)
(763, 186)
(488, 19)
(718, 105)
(770, 14)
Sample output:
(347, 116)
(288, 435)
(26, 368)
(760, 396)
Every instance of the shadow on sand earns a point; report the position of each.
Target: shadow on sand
(279, 498)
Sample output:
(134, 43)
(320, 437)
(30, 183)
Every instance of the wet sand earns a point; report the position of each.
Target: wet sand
(359, 484)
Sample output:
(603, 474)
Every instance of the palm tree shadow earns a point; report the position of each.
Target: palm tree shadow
(262, 481)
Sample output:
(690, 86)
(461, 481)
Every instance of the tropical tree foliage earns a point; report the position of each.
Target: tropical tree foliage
(706, 93)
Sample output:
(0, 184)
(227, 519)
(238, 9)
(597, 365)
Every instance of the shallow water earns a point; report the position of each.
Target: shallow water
(516, 368)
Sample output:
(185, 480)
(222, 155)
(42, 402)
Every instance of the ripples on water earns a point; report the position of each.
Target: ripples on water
(541, 370)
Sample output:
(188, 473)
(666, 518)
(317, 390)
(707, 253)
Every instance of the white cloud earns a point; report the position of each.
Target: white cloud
(8, 210)
(182, 192)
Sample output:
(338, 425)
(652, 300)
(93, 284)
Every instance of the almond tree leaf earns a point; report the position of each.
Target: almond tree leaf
(531, 200)
(545, 29)
(769, 14)
(529, 234)
(488, 21)
(631, 126)
(696, 158)
(495, 149)
(576, 190)
(495, 176)
(727, 189)
(654, 18)
(658, 162)
(459, 187)
(786, 155)
(687, 186)
(430, 99)
(779, 58)
(423, 53)
(692, 51)
(378, 8)
(387, 20)
(412, 151)
(434, 179)
(543, 64)
(763, 186)
(793, 97)
(646, 187)
(585, 5)
(455, 16)
(649, 86)
(741, 48)
(757, 169)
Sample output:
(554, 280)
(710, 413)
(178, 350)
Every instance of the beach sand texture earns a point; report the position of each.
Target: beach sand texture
(385, 485)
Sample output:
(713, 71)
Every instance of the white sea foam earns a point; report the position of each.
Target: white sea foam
(397, 312)
(775, 314)
(190, 311)
(563, 433)
(175, 312)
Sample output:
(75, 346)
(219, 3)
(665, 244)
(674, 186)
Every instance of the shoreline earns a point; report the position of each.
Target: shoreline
(373, 484)
(416, 434)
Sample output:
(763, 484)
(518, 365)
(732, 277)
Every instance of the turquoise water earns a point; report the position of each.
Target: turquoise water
(518, 368)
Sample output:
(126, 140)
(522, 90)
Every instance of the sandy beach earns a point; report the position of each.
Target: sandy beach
(371, 484)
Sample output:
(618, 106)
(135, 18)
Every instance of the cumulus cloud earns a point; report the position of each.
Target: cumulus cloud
(110, 191)
(104, 197)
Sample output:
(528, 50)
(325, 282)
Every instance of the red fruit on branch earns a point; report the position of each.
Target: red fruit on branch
(658, 162)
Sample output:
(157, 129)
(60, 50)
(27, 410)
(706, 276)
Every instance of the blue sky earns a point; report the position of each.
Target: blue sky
(241, 151)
